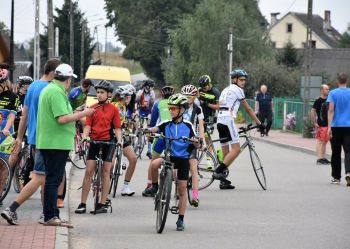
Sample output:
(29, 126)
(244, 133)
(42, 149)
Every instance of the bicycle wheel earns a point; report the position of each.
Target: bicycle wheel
(5, 178)
(139, 144)
(189, 190)
(97, 185)
(117, 171)
(258, 168)
(163, 196)
(206, 165)
(20, 176)
(78, 159)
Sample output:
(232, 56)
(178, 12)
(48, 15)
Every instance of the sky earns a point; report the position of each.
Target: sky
(24, 14)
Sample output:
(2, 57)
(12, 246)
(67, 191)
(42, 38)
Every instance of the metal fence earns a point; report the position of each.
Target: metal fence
(282, 107)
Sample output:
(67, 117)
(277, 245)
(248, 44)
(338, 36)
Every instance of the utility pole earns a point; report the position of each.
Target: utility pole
(71, 35)
(230, 54)
(50, 31)
(37, 41)
(98, 43)
(83, 30)
(105, 62)
(12, 64)
(307, 63)
(57, 35)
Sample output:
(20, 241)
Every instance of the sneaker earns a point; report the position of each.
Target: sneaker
(195, 202)
(149, 154)
(126, 191)
(180, 225)
(219, 175)
(101, 209)
(224, 185)
(60, 203)
(81, 209)
(55, 221)
(347, 179)
(335, 181)
(326, 161)
(41, 219)
(150, 192)
(10, 216)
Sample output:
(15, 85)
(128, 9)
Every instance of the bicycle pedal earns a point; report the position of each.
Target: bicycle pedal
(124, 166)
(174, 209)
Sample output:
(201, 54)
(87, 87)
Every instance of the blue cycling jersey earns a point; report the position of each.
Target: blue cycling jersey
(171, 129)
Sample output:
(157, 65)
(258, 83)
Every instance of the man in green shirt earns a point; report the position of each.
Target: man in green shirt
(55, 136)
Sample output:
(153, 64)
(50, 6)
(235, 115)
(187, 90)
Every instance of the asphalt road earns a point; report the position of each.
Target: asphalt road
(300, 209)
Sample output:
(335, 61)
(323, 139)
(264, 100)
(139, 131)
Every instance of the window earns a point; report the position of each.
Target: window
(289, 27)
(313, 44)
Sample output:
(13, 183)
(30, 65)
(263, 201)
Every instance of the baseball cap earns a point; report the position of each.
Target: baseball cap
(65, 70)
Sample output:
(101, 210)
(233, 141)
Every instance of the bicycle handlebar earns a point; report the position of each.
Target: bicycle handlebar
(100, 142)
(183, 138)
(248, 128)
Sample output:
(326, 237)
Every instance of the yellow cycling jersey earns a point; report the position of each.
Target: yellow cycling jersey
(122, 110)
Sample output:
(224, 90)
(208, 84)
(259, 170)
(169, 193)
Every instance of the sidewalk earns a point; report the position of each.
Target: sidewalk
(29, 233)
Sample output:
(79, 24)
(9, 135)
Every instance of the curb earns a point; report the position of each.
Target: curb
(62, 233)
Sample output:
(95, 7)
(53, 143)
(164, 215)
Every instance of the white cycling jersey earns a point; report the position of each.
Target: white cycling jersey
(230, 99)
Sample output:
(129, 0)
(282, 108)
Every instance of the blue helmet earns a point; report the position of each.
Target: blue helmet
(238, 72)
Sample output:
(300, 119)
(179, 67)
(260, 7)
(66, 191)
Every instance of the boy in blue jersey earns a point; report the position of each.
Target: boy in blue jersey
(180, 151)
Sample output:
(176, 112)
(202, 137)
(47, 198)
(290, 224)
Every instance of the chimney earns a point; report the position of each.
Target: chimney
(327, 21)
(274, 18)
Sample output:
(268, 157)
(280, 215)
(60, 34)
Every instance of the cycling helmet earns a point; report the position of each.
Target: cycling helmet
(4, 74)
(123, 91)
(238, 72)
(204, 80)
(131, 88)
(167, 91)
(24, 80)
(149, 83)
(104, 84)
(189, 90)
(87, 82)
(178, 99)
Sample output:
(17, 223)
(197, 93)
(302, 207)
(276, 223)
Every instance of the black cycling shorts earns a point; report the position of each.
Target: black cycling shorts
(107, 152)
(183, 167)
(194, 154)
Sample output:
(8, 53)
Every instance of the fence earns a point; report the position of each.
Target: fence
(282, 108)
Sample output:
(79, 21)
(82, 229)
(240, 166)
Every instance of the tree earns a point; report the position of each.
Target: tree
(61, 20)
(344, 41)
(143, 27)
(289, 56)
(4, 29)
(199, 43)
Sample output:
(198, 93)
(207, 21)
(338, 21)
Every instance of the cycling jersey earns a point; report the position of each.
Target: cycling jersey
(122, 111)
(21, 97)
(171, 129)
(193, 114)
(77, 97)
(209, 97)
(145, 101)
(160, 112)
(131, 106)
(230, 99)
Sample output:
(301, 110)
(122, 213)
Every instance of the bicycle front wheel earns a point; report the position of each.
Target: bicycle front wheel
(258, 168)
(189, 190)
(163, 199)
(206, 165)
(5, 178)
(97, 186)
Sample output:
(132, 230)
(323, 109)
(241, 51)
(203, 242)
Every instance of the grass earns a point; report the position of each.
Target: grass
(116, 59)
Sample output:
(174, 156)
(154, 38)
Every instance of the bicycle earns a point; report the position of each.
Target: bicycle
(80, 148)
(97, 178)
(5, 171)
(140, 138)
(163, 196)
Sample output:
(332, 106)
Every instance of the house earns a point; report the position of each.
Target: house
(293, 26)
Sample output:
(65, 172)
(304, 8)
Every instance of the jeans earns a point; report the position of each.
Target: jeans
(340, 138)
(55, 163)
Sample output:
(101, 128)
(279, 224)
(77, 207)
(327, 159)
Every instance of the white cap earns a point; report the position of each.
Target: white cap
(65, 70)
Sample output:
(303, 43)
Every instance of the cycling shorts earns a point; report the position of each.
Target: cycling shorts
(194, 154)
(227, 129)
(107, 152)
(183, 167)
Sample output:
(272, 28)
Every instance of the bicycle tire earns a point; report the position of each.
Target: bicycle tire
(117, 172)
(15, 179)
(164, 195)
(97, 186)
(205, 174)
(5, 177)
(22, 162)
(189, 190)
(258, 168)
(79, 154)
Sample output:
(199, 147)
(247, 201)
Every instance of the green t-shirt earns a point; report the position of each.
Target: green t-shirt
(50, 134)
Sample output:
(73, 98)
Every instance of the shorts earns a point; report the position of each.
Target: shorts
(158, 146)
(39, 164)
(194, 154)
(227, 129)
(322, 134)
(183, 167)
(107, 152)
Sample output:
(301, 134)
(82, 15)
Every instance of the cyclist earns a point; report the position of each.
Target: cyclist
(130, 107)
(208, 98)
(99, 127)
(78, 95)
(180, 151)
(160, 113)
(23, 84)
(145, 98)
(121, 99)
(194, 115)
(230, 99)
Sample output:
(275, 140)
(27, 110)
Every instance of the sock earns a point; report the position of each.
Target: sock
(181, 217)
(149, 183)
(14, 206)
(155, 184)
(126, 183)
(60, 197)
(83, 205)
(195, 193)
(221, 168)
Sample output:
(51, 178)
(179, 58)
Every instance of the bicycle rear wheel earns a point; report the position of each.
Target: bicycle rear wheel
(97, 186)
(207, 162)
(78, 157)
(19, 176)
(163, 198)
(117, 171)
(189, 190)
(258, 168)
(5, 178)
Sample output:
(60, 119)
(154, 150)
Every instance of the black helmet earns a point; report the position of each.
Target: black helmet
(204, 80)
(24, 80)
(238, 72)
(167, 91)
(87, 82)
(148, 82)
(104, 84)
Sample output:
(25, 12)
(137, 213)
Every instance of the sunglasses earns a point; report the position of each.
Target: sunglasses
(242, 79)
(173, 108)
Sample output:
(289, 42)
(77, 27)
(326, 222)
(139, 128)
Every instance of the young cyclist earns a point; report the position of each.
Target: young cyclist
(230, 99)
(99, 127)
(145, 98)
(78, 95)
(121, 99)
(180, 151)
(23, 84)
(130, 107)
(194, 115)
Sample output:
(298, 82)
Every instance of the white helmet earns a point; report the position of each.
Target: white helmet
(123, 91)
(189, 90)
(131, 88)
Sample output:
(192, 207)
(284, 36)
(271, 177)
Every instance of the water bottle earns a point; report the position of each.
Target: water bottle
(220, 155)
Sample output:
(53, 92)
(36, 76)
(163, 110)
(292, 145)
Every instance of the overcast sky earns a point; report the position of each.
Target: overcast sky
(24, 14)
